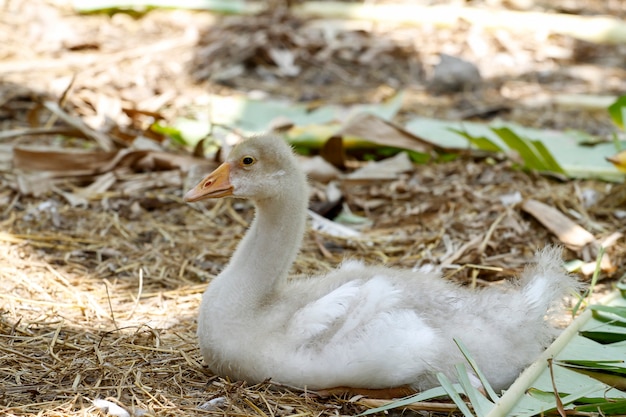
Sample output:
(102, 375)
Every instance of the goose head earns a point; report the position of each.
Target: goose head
(259, 168)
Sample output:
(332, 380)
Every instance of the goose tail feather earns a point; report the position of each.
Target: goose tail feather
(545, 282)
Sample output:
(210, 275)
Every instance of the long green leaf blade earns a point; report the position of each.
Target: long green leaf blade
(521, 146)
(548, 160)
(483, 379)
(453, 394)
(607, 408)
(617, 111)
(481, 142)
(481, 404)
(422, 396)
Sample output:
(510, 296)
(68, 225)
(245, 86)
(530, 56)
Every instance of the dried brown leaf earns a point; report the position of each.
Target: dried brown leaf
(382, 132)
(74, 162)
(566, 230)
(387, 169)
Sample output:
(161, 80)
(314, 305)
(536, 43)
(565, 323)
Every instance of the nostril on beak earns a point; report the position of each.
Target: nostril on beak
(207, 184)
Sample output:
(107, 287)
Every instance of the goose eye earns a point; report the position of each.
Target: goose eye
(247, 160)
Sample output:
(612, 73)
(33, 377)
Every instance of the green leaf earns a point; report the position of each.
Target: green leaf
(184, 131)
(617, 111)
(549, 402)
(386, 110)
(481, 404)
(578, 161)
(483, 379)
(614, 312)
(594, 280)
(605, 337)
(608, 372)
(549, 162)
(607, 408)
(608, 364)
(534, 153)
(453, 394)
(480, 142)
(422, 396)
(621, 286)
(521, 146)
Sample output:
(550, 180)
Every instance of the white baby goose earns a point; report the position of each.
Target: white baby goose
(358, 326)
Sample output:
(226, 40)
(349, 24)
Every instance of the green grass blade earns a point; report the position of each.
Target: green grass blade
(615, 313)
(422, 396)
(481, 404)
(548, 160)
(617, 112)
(594, 281)
(604, 364)
(606, 337)
(483, 379)
(480, 142)
(566, 400)
(453, 394)
(521, 146)
(607, 408)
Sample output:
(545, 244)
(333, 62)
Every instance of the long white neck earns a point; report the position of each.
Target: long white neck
(266, 253)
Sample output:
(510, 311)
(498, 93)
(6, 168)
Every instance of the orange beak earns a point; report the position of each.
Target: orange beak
(215, 185)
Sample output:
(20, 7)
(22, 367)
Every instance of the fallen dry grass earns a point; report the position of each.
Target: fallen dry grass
(100, 301)
(100, 285)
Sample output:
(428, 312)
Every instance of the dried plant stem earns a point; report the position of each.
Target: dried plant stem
(521, 384)
(138, 298)
(106, 286)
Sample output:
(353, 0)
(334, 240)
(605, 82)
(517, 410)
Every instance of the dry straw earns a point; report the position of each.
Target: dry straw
(99, 302)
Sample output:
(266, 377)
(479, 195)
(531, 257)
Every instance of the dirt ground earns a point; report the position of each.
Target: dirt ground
(100, 284)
